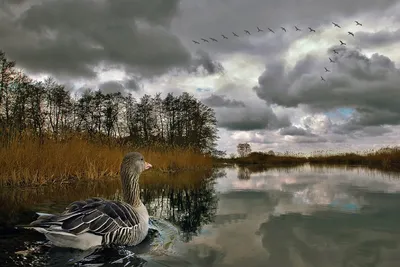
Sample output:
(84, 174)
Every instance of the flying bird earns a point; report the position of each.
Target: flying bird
(331, 60)
(271, 30)
(326, 70)
(212, 39)
(283, 29)
(235, 34)
(357, 23)
(342, 43)
(336, 25)
(205, 40)
(224, 36)
(311, 29)
(195, 42)
(350, 33)
(334, 51)
(297, 29)
(259, 30)
(322, 78)
(246, 31)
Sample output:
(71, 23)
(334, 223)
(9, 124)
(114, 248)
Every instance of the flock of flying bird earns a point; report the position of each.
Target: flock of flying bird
(284, 29)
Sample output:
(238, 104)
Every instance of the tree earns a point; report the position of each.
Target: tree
(243, 149)
(47, 109)
(271, 153)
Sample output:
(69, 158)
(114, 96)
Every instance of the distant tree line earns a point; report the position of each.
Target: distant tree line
(48, 109)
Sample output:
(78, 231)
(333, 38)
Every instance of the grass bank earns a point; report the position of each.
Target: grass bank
(386, 158)
(25, 162)
(264, 159)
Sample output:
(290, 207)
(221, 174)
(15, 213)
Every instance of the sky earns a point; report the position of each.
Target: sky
(265, 88)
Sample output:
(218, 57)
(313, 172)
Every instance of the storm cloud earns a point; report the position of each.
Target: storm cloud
(222, 101)
(369, 85)
(71, 38)
(265, 88)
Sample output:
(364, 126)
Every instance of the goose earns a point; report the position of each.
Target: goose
(98, 222)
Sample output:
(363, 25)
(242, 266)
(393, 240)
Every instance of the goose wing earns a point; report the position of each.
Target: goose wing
(97, 216)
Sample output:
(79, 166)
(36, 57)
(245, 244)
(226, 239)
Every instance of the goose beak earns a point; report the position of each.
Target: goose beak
(147, 165)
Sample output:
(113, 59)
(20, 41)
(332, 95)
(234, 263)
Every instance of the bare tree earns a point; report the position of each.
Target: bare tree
(243, 149)
(47, 109)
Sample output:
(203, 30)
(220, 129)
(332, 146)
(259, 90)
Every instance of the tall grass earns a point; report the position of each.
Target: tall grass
(385, 158)
(268, 160)
(26, 162)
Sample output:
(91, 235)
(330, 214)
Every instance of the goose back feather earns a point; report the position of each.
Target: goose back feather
(97, 221)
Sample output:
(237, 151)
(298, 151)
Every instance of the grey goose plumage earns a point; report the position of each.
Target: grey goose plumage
(100, 222)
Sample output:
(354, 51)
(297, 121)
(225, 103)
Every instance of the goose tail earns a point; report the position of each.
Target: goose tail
(59, 237)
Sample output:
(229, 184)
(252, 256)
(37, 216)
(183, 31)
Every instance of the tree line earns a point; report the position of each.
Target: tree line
(46, 109)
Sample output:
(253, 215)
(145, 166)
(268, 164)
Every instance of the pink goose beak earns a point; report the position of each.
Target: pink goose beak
(147, 165)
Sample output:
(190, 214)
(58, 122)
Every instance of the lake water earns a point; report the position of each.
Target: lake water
(288, 217)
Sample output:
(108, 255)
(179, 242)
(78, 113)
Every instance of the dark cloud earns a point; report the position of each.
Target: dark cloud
(295, 131)
(132, 85)
(375, 131)
(368, 84)
(376, 39)
(310, 140)
(213, 18)
(71, 37)
(112, 87)
(251, 118)
(206, 63)
(222, 101)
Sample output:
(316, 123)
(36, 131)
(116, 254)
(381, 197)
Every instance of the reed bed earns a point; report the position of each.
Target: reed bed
(386, 159)
(28, 162)
(268, 160)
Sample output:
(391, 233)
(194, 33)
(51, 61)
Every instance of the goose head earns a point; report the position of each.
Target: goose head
(133, 164)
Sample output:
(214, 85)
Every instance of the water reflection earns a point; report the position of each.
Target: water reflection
(188, 201)
(292, 217)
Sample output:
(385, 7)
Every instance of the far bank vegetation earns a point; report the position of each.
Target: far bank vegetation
(50, 135)
(384, 158)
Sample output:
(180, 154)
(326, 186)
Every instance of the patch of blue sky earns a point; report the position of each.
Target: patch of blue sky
(203, 89)
(341, 112)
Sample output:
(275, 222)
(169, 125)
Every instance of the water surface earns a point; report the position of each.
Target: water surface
(303, 216)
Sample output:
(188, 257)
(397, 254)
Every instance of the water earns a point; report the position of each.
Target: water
(289, 217)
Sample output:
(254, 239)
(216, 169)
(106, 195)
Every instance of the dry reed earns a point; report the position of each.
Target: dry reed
(385, 158)
(26, 162)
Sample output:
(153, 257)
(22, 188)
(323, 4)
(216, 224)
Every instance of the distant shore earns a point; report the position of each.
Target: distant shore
(387, 158)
